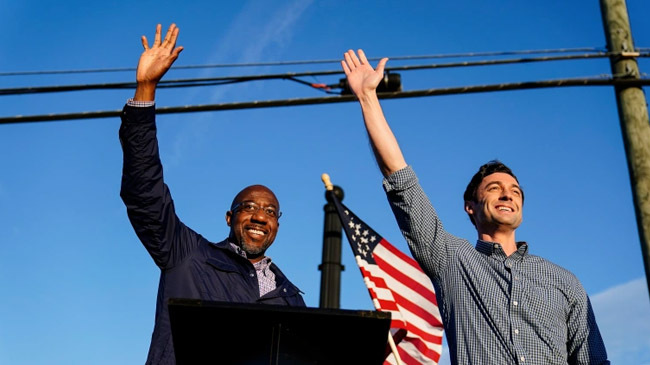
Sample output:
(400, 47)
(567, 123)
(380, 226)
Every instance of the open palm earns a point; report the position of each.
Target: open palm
(362, 78)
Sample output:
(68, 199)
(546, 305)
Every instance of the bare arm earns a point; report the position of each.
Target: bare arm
(363, 81)
(155, 61)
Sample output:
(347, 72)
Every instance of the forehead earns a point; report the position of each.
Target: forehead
(499, 177)
(257, 194)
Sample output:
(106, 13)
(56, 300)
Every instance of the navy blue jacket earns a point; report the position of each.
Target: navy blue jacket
(190, 265)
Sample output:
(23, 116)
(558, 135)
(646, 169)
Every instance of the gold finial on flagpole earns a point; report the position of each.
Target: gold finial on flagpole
(327, 182)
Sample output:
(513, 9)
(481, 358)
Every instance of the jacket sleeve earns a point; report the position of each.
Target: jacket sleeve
(147, 198)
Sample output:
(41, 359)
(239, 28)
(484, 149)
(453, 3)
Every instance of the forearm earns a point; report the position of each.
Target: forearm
(430, 244)
(384, 144)
(149, 204)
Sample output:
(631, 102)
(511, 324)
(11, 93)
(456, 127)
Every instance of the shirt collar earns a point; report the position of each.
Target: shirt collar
(260, 265)
(492, 248)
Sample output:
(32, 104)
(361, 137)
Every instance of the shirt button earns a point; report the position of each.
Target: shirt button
(516, 331)
(515, 303)
(284, 290)
(252, 275)
(516, 277)
(523, 359)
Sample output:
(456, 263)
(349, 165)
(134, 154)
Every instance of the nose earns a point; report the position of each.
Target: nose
(259, 216)
(506, 195)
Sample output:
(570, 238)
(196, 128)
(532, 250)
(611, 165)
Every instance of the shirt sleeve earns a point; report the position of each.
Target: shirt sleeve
(140, 104)
(430, 244)
(584, 343)
(149, 204)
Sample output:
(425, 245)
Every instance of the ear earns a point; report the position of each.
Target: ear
(228, 217)
(469, 207)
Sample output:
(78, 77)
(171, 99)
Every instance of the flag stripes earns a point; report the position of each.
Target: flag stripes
(398, 285)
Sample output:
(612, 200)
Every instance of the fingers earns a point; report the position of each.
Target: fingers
(176, 52)
(381, 65)
(156, 40)
(170, 37)
(145, 43)
(346, 69)
(362, 57)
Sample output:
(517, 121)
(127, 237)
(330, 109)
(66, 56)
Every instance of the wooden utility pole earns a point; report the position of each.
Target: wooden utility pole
(633, 115)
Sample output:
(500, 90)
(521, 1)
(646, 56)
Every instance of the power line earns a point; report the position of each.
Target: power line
(311, 62)
(339, 99)
(212, 81)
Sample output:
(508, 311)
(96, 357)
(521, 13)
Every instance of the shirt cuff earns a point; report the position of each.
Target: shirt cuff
(140, 104)
(400, 179)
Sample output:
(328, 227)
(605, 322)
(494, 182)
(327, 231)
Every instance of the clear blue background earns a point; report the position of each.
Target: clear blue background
(78, 287)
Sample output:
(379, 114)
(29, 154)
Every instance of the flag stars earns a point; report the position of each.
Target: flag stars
(364, 240)
(373, 238)
(351, 224)
(347, 212)
(365, 232)
(358, 226)
(361, 250)
(357, 232)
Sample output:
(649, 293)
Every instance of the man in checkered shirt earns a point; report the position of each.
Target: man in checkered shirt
(500, 305)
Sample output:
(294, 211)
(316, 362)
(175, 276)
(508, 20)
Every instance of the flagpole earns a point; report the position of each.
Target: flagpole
(329, 187)
(393, 347)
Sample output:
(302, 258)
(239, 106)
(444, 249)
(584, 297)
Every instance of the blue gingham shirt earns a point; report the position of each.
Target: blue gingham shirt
(496, 309)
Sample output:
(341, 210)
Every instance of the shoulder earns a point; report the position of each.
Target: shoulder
(556, 275)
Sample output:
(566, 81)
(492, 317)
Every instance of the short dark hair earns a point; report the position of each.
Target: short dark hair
(487, 169)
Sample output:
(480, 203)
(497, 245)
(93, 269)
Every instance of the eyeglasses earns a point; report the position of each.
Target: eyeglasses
(252, 208)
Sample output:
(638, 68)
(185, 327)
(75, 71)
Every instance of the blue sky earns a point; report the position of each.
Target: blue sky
(79, 288)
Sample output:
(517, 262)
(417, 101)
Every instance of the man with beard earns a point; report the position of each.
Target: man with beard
(499, 304)
(234, 270)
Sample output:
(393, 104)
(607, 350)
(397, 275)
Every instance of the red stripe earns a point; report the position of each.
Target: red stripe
(423, 348)
(387, 305)
(399, 275)
(417, 310)
(399, 253)
(413, 307)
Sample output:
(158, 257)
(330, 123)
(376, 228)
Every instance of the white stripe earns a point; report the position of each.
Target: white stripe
(405, 267)
(415, 353)
(403, 290)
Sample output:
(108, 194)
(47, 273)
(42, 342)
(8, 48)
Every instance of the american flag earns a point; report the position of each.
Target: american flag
(397, 285)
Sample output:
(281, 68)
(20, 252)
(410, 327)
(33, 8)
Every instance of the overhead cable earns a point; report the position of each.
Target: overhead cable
(339, 99)
(211, 81)
(311, 62)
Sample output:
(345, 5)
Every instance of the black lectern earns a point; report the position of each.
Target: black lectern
(207, 332)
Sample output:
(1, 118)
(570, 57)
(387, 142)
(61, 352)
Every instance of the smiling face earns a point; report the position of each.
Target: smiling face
(252, 226)
(498, 204)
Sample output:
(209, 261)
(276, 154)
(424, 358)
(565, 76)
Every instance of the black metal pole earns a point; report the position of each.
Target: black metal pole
(331, 267)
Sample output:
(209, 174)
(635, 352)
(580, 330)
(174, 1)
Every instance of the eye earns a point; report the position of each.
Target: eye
(270, 212)
(249, 207)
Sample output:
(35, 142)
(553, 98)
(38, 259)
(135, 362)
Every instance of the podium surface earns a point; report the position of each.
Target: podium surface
(206, 332)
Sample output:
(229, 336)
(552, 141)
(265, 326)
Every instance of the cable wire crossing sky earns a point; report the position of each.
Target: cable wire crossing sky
(80, 288)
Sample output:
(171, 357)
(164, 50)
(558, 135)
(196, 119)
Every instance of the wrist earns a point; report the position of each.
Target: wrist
(145, 91)
(368, 98)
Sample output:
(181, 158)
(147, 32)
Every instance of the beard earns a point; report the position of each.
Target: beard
(253, 250)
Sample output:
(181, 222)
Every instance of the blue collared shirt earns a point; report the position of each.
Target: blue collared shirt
(496, 309)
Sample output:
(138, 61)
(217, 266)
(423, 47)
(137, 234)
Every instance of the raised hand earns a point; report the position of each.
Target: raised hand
(362, 78)
(155, 62)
